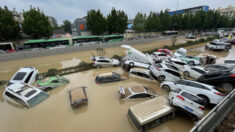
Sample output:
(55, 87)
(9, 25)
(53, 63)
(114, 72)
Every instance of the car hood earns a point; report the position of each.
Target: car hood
(115, 61)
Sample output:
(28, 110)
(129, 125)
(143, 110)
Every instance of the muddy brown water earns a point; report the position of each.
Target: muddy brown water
(104, 112)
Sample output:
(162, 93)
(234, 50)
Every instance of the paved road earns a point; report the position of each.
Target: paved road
(48, 52)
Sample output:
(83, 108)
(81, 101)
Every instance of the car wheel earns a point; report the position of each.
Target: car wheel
(131, 64)
(205, 100)
(191, 63)
(166, 87)
(98, 66)
(161, 78)
(227, 87)
(186, 73)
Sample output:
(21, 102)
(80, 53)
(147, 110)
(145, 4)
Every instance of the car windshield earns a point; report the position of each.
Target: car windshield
(19, 76)
(180, 52)
(229, 61)
(37, 99)
(116, 75)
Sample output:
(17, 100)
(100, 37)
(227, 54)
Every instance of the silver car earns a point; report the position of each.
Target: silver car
(101, 61)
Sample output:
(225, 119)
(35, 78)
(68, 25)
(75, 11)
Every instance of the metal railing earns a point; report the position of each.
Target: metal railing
(216, 115)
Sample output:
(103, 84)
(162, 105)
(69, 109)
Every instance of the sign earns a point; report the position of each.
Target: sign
(82, 26)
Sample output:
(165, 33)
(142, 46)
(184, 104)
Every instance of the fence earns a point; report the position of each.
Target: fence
(216, 115)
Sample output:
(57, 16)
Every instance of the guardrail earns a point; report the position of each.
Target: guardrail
(216, 115)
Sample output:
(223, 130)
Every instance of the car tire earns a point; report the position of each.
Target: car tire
(98, 66)
(166, 87)
(186, 73)
(131, 64)
(191, 63)
(161, 78)
(227, 87)
(205, 100)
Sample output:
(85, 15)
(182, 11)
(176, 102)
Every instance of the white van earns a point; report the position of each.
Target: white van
(151, 113)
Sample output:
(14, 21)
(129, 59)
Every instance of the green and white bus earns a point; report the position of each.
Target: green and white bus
(46, 43)
(82, 40)
(112, 38)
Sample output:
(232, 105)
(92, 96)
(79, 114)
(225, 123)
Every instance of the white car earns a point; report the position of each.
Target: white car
(158, 56)
(180, 52)
(26, 75)
(218, 46)
(24, 94)
(177, 63)
(207, 92)
(194, 71)
(101, 61)
(142, 74)
(132, 63)
(230, 62)
(136, 92)
(164, 72)
(187, 102)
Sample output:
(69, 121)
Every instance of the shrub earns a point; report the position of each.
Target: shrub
(116, 57)
(85, 66)
(52, 72)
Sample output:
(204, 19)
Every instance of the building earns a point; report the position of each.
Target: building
(52, 21)
(188, 10)
(228, 12)
(18, 16)
(79, 26)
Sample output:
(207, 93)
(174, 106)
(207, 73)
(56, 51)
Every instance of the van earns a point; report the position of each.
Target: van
(151, 113)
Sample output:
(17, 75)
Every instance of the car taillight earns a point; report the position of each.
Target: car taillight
(180, 97)
(202, 108)
(232, 75)
(220, 94)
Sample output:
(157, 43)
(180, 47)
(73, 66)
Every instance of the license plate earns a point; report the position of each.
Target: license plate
(188, 109)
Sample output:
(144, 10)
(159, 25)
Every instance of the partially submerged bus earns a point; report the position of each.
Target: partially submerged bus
(151, 113)
(82, 40)
(170, 33)
(46, 43)
(112, 38)
(7, 47)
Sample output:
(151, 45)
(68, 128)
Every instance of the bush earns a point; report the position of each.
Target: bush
(85, 66)
(116, 57)
(201, 40)
(52, 72)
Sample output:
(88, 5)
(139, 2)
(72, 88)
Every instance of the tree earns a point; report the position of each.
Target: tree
(152, 23)
(117, 21)
(173, 40)
(9, 28)
(96, 22)
(36, 23)
(139, 22)
(67, 26)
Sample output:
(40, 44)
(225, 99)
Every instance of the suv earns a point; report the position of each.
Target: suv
(101, 61)
(165, 72)
(24, 94)
(225, 79)
(108, 77)
(142, 73)
(158, 56)
(25, 75)
(188, 102)
(218, 46)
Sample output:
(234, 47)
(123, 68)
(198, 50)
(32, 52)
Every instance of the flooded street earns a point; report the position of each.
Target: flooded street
(105, 112)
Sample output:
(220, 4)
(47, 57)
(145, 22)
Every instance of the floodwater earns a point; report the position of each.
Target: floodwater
(104, 112)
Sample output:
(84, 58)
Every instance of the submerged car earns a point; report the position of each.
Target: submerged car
(190, 60)
(165, 51)
(188, 102)
(218, 46)
(142, 74)
(108, 77)
(194, 72)
(102, 61)
(24, 94)
(51, 82)
(26, 75)
(78, 96)
(207, 58)
(136, 92)
(158, 56)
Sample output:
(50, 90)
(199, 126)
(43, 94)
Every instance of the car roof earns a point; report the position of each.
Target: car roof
(138, 89)
(102, 57)
(26, 69)
(105, 74)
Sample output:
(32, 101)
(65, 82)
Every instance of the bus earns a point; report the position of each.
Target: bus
(7, 47)
(151, 113)
(82, 40)
(112, 38)
(165, 33)
(46, 43)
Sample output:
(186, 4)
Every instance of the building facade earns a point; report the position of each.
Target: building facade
(228, 12)
(52, 21)
(18, 16)
(79, 26)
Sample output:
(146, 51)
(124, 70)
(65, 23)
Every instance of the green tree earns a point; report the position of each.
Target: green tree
(117, 21)
(152, 23)
(9, 28)
(139, 22)
(36, 23)
(67, 26)
(96, 22)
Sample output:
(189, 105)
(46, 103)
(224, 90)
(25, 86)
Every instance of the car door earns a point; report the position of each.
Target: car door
(181, 84)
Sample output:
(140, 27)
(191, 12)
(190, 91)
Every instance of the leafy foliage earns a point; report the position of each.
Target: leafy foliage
(67, 26)
(139, 22)
(96, 22)
(36, 23)
(9, 28)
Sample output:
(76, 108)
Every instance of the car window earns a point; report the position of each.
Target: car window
(134, 72)
(140, 96)
(162, 55)
(172, 72)
(19, 76)
(192, 98)
(18, 100)
(158, 65)
(30, 93)
(182, 82)
(104, 61)
(55, 81)
(229, 61)
(147, 76)
(29, 77)
(172, 67)
(198, 70)
(180, 63)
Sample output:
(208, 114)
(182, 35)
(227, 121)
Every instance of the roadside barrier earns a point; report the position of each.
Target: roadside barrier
(216, 115)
